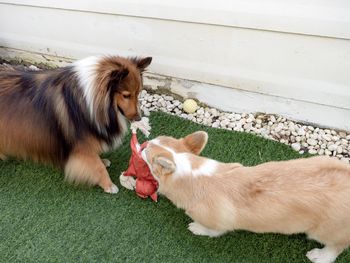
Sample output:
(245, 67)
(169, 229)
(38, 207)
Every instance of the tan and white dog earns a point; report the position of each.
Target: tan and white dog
(309, 196)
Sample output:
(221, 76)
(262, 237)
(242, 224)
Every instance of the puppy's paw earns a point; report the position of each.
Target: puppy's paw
(200, 230)
(127, 181)
(324, 255)
(106, 162)
(113, 189)
(3, 157)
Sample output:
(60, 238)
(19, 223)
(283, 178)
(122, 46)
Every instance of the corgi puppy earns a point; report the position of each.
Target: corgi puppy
(309, 196)
(69, 116)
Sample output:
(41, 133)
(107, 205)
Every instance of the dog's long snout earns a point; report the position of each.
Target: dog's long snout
(137, 117)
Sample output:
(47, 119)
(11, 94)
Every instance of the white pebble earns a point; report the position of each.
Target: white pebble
(146, 112)
(342, 134)
(344, 142)
(299, 136)
(214, 112)
(335, 138)
(339, 149)
(32, 67)
(237, 117)
(301, 132)
(312, 151)
(216, 124)
(312, 142)
(200, 111)
(321, 151)
(327, 152)
(327, 137)
(247, 126)
(304, 144)
(296, 146)
(332, 147)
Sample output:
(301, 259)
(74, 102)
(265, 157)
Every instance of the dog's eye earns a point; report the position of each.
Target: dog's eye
(126, 96)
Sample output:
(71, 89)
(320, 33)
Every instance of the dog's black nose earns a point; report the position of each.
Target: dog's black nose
(137, 118)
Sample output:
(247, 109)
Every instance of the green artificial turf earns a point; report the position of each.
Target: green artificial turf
(44, 219)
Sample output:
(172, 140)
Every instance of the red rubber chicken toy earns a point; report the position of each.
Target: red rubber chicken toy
(145, 185)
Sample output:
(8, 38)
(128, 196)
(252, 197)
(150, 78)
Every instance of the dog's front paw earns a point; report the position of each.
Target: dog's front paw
(127, 181)
(113, 189)
(324, 255)
(3, 157)
(200, 230)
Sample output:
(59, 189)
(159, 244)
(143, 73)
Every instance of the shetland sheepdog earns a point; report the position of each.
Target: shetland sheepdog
(68, 116)
(309, 196)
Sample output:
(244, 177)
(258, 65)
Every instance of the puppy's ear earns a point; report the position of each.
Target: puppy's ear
(196, 141)
(165, 165)
(142, 63)
(116, 76)
(119, 74)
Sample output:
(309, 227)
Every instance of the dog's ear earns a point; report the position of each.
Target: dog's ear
(116, 76)
(163, 165)
(142, 63)
(119, 74)
(196, 142)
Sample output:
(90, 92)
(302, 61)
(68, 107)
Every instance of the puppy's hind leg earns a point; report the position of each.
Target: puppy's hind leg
(198, 229)
(3, 157)
(336, 238)
(328, 254)
(87, 167)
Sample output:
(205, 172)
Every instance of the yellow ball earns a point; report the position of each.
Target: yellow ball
(190, 106)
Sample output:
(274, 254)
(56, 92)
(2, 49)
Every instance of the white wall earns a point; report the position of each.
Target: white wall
(294, 54)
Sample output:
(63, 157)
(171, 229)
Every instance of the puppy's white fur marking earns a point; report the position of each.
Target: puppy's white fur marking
(207, 168)
(86, 71)
(157, 142)
(123, 129)
(324, 255)
(183, 163)
(200, 230)
(118, 139)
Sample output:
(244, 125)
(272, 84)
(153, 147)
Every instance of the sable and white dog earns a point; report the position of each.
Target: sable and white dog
(309, 196)
(70, 115)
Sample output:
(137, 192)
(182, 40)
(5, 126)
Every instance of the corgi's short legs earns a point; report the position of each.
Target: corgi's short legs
(336, 237)
(198, 229)
(2, 157)
(325, 255)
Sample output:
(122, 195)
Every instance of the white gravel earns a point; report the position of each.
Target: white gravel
(302, 138)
